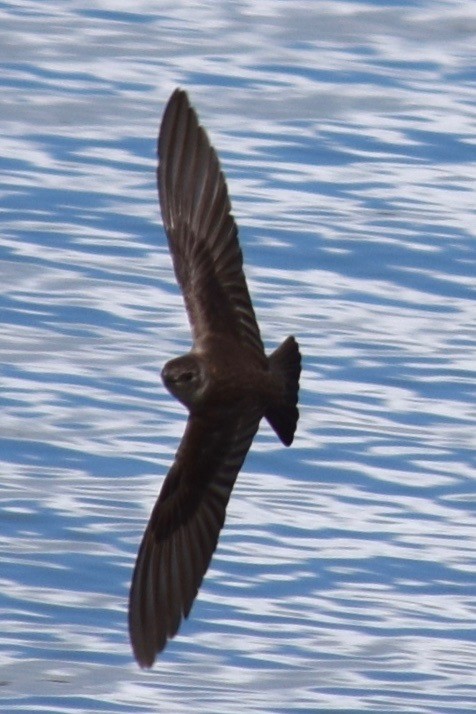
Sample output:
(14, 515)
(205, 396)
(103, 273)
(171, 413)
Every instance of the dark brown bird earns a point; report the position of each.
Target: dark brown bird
(226, 382)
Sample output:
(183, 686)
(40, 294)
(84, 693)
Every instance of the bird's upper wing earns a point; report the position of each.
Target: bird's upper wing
(183, 529)
(201, 231)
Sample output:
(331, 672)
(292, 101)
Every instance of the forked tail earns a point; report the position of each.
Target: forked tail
(283, 416)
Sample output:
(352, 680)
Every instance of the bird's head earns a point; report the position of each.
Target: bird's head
(185, 378)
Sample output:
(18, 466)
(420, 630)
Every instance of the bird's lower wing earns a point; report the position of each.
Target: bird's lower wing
(183, 529)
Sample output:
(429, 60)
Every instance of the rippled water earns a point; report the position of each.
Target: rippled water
(345, 576)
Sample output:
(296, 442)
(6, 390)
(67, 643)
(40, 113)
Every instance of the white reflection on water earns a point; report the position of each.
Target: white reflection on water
(344, 578)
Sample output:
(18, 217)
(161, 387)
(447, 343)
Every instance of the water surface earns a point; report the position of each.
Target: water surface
(344, 578)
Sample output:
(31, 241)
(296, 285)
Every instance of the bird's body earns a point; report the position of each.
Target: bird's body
(226, 382)
(228, 375)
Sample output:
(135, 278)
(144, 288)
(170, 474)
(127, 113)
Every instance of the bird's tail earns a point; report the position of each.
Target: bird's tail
(283, 416)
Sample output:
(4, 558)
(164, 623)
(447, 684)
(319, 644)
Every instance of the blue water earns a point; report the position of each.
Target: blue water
(345, 575)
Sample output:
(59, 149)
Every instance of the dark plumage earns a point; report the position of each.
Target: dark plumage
(226, 382)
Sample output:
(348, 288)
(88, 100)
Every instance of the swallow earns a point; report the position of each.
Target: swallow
(226, 382)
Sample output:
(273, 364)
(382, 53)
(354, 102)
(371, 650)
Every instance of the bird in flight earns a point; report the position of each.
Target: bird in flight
(226, 381)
